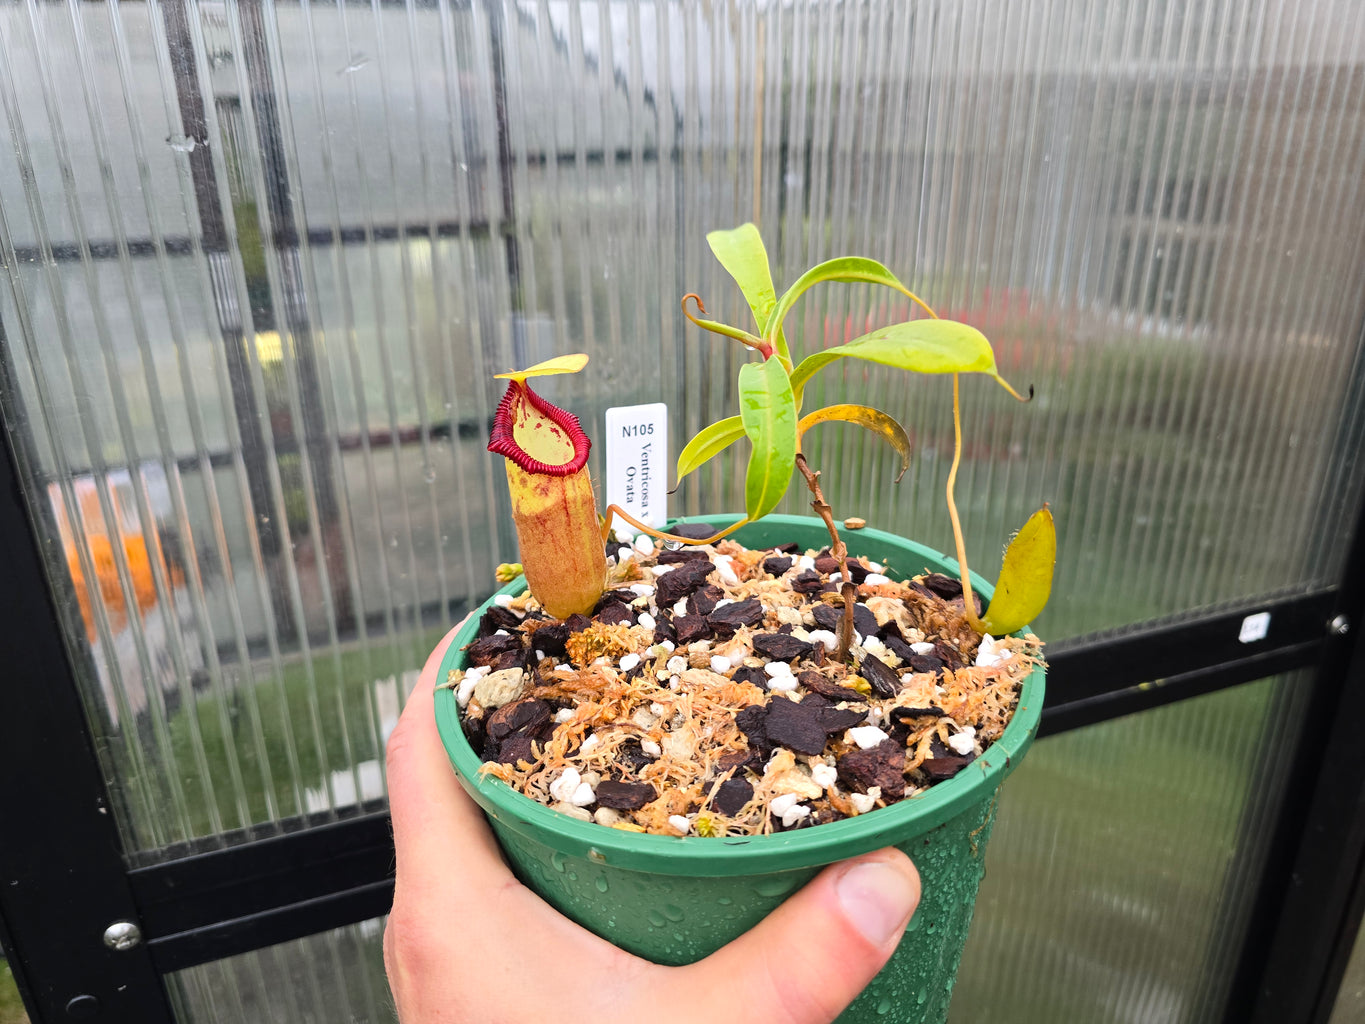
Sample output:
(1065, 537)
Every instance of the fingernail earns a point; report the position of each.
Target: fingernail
(877, 899)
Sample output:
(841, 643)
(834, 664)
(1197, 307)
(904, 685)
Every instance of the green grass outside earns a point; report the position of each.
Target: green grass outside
(11, 1006)
(285, 729)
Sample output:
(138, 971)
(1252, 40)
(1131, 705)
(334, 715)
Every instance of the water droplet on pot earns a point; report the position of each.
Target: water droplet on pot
(655, 918)
(677, 936)
(557, 862)
(601, 883)
(573, 877)
(674, 912)
(884, 1006)
(921, 997)
(778, 885)
(725, 901)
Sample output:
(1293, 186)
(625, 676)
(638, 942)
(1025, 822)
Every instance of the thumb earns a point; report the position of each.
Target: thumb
(810, 958)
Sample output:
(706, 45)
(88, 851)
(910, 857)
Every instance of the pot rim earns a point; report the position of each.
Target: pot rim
(709, 856)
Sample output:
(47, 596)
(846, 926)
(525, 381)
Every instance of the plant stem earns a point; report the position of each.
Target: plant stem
(968, 597)
(838, 549)
(617, 510)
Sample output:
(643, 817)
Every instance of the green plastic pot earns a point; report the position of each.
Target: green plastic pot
(675, 900)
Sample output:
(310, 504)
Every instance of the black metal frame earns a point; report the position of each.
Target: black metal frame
(198, 905)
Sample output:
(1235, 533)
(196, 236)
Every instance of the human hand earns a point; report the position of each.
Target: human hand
(467, 942)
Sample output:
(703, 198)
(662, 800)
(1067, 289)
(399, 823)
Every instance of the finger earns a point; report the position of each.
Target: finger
(436, 827)
(809, 958)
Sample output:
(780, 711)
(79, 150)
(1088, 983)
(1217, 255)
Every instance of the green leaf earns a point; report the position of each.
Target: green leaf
(921, 346)
(877, 422)
(741, 252)
(1025, 577)
(845, 268)
(709, 442)
(768, 411)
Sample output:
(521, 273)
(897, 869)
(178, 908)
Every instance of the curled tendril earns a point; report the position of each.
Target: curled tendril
(715, 327)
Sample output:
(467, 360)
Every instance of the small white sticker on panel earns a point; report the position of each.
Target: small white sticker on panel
(1254, 627)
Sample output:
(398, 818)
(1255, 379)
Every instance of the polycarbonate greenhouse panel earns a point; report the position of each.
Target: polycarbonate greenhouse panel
(261, 259)
(1125, 862)
(332, 976)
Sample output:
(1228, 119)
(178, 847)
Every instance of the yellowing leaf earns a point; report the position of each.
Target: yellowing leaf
(1026, 576)
(768, 411)
(877, 422)
(920, 346)
(709, 442)
(559, 364)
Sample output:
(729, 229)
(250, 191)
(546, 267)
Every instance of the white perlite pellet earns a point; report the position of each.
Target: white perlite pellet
(680, 823)
(502, 632)
(563, 715)
(990, 653)
(864, 802)
(963, 742)
(641, 589)
(866, 736)
(922, 648)
(583, 795)
(787, 808)
(680, 606)
(774, 669)
(503, 600)
(823, 636)
(824, 775)
(644, 544)
(646, 620)
(805, 562)
(563, 787)
(651, 747)
(782, 684)
(873, 644)
(726, 571)
(590, 744)
(676, 664)
(720, 664)
(629, 661)
(624, 555)
(875, 579)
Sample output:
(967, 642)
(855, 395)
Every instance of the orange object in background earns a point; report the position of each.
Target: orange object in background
(127, 532)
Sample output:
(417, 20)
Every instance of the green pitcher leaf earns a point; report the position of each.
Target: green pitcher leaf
(709, 442)
(849, 269)
(921, 346)
(768, 411)
(1025, 577)
(878, 422)
(742, 253)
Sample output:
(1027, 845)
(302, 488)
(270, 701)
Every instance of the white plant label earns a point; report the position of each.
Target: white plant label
(637, 462)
